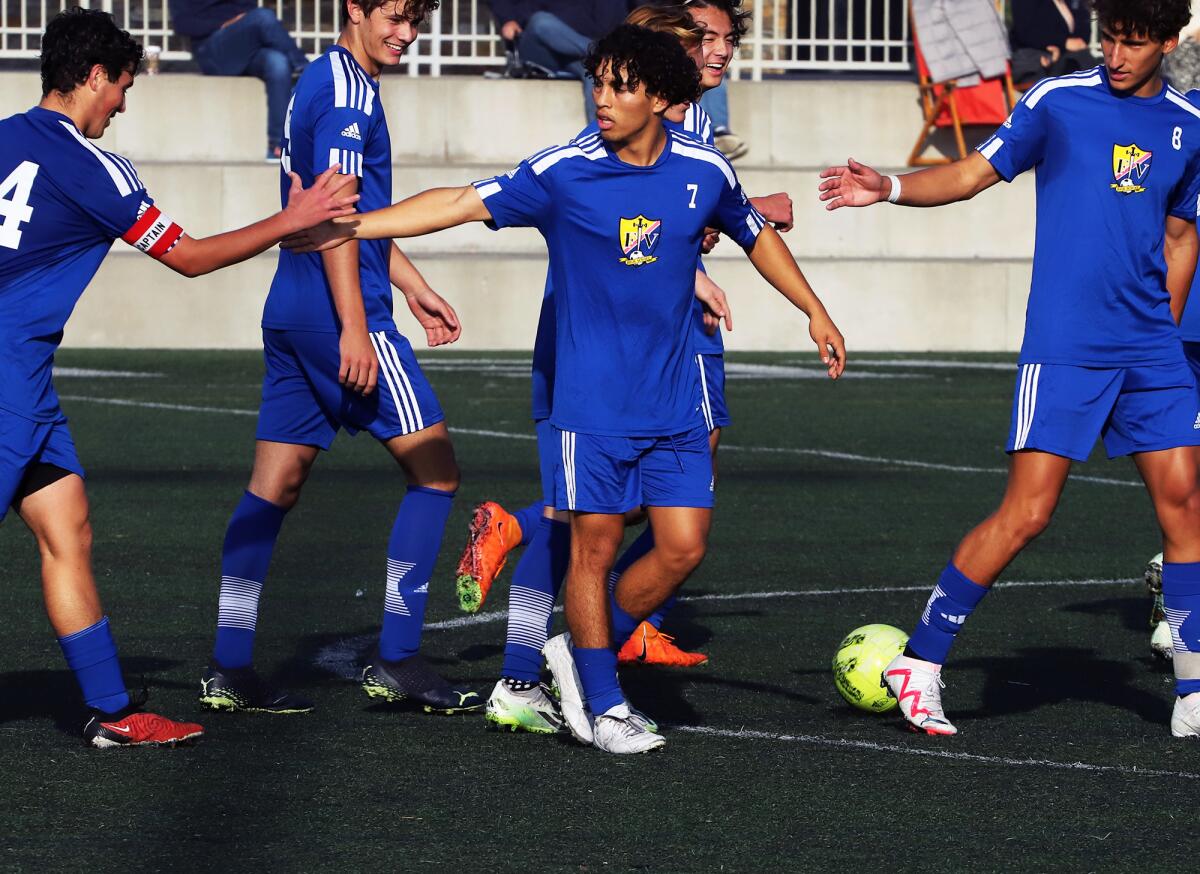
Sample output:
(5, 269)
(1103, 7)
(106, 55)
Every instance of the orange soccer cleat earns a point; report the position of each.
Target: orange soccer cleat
(649, 646)
(494, 532)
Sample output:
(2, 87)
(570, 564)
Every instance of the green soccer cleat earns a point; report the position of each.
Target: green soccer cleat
(530, 709)
(243, 690)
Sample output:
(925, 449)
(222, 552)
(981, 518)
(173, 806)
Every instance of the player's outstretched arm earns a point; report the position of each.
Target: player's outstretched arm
(306, 207)
(773, 261)
(775, 208)
(424, 213)
(1180, 248)
(857, 184)
(429, 308)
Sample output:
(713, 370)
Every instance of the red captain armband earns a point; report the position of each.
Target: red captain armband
(153, 233)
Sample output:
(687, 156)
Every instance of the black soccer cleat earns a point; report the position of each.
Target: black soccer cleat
(235, 689)
(412, 679)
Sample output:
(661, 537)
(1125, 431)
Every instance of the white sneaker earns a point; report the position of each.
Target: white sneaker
(618, 732)
(1185, 718)
(570, 690)
(917, 686)
(1161, 646)
(642, 720)
(533, 710)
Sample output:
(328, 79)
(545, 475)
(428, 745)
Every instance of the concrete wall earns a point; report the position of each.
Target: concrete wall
(894, 278)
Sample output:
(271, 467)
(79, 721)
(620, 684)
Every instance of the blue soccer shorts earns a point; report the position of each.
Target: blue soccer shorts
(303, 402)
(597, 474)
(25, 443)
(712, 391)
(1062, 409)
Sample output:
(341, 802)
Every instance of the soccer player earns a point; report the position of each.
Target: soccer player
(63, 202)
(328, 335)
(623, 214)
(1117, 153)
(709, 30)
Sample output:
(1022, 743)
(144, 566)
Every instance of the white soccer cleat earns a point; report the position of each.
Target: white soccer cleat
(917, 686)
(570, 690)
(532, 710)
(1161, 646)
(618, 732)
(1185, 718)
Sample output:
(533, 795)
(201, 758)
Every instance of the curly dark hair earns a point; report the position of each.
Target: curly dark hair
(416, 11)
(1158, 19)
(655, 60)
(76, 40)
(738, 17)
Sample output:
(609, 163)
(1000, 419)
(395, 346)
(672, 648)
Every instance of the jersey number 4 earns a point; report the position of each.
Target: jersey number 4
(14, 203)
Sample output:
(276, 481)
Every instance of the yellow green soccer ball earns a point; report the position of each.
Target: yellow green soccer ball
(859, 662)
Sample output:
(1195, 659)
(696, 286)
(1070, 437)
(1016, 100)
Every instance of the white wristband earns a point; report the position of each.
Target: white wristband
(895, 194)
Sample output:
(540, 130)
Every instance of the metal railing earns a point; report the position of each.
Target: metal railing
(786, 35)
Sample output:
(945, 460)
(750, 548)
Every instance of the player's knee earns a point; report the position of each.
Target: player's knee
(683, 557)
(1029, 520)
(68, 539)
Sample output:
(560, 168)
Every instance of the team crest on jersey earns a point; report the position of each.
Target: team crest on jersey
(639, 237)
(1131, 166)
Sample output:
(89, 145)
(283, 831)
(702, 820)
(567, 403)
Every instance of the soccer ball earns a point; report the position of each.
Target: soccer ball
(859, 662)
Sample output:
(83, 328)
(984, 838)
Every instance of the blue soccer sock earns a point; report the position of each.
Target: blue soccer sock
(245, 557)
(1181, 600)
(535, 584)
(412, 551)
(953, 599)
(656, 618)
(598, 674)
(623, 624)
(529, 518)
(92, 656)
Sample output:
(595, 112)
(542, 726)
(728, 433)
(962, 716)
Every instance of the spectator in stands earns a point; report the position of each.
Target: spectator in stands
(240, 38)
(552, 36)
(1050, 38)
(1183, 64)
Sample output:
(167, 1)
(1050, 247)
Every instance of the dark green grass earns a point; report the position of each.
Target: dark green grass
(1056, 674)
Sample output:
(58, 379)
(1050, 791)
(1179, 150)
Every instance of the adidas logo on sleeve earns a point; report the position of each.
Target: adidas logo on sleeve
(352, 132)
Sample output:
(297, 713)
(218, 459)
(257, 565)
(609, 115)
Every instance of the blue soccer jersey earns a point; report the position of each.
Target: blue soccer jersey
(623, 242)
(1110, 169)
(63, 202)
(335, 117)
(1190, 325)
(696, 124)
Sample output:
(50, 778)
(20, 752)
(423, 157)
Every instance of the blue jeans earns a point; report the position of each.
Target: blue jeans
(550, 43)
(256, 45)
(716, 104)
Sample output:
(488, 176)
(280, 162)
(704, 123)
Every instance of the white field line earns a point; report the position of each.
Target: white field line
(88, 372)
(342, 657)
(725, 447)
(847, 743)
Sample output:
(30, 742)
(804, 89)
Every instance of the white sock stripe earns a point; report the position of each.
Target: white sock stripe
(394, 603)
(237, 605)
(387, 378)
(415, 407)
(1175, 620)
(529, 614)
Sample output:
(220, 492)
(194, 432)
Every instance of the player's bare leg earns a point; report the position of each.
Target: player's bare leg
(57, 515)
(1035, 483)
(280, 471)
(680, 541)
(427, 458)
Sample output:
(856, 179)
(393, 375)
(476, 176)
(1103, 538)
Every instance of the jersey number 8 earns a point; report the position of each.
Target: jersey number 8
(14, 203)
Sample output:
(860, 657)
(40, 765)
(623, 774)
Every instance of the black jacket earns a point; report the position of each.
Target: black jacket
(1038, 23)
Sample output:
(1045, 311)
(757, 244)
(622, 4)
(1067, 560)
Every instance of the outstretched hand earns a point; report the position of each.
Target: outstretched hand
(327, 235)
(323, 201)
(830, 344)
(852, 185)
(436, 316)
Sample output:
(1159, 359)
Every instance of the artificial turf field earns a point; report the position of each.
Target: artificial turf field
(837, 506)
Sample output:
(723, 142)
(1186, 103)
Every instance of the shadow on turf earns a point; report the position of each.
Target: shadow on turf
(1039, 676)
(55, 694)
(1132, 612)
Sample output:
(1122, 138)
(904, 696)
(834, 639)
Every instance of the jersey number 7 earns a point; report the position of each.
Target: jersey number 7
(14, 203)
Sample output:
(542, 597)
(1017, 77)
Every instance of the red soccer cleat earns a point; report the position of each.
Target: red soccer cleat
(494, 532)
(135, 728)
(649, 646)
